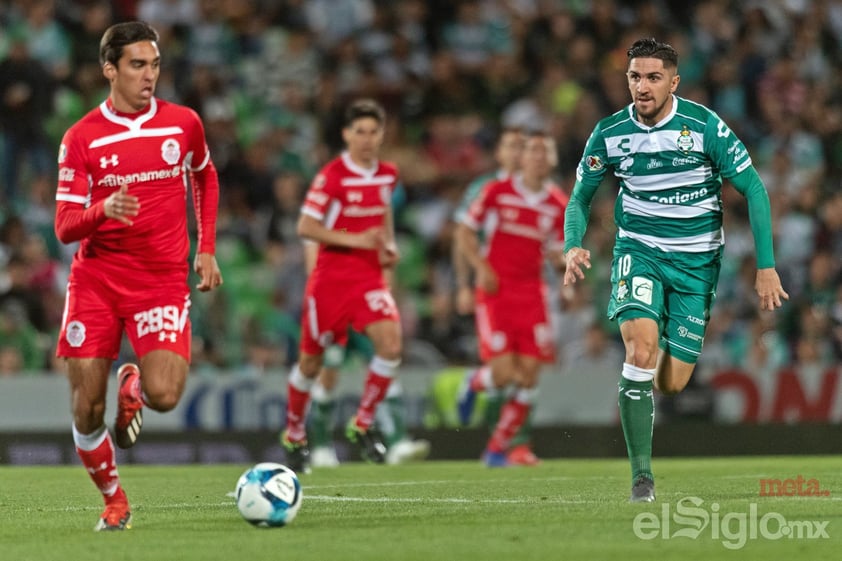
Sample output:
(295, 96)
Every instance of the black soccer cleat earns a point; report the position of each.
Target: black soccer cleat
(297, 455)
(369, 442)
(643, 490)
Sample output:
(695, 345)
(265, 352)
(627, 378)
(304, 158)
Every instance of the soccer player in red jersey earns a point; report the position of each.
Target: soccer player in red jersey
(347, 210)
(522, 220)
(124, 173)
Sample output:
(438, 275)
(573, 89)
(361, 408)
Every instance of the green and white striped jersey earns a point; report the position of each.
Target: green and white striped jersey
(670, 175)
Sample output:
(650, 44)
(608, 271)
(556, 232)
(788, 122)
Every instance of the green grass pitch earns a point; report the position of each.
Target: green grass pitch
(440, 511)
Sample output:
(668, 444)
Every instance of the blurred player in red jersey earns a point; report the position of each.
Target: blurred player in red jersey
(124, 172)
(348, 212)
(522, 221)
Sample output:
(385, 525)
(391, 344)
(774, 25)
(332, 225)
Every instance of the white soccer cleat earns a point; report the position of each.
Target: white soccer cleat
(407, 451)
(324, 457)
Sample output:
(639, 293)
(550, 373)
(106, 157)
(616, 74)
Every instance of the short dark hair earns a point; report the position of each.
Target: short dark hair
(652, 48)
(121, 34)
(363, 108)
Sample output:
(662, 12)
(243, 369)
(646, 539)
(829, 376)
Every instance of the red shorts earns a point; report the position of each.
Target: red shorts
(100, 306)
(330, 308)
(514, 321)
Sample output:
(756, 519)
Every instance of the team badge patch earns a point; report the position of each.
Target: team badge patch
(75, 334)
(171, 151)
(622, 290)
(62, 153)
(685, 140)
(594, 163)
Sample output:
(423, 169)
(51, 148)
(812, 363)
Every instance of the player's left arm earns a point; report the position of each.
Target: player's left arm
(767, 283)
(731, 157)
(389, 254)
(205, 188)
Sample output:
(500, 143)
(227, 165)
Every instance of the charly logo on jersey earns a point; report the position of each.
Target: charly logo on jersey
(111, 160)
(355, 197)
(642, 289)
(75, 333)
(685, 139)
(171, 151)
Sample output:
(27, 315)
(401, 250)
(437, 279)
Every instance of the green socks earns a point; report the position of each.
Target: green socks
(637, 413)
(321, 423)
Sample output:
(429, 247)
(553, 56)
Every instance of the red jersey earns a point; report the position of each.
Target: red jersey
(344, 196)
(150, 152)
(517, 226)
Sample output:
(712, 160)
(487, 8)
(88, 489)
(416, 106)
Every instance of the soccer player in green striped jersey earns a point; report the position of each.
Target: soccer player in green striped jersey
(670, 156)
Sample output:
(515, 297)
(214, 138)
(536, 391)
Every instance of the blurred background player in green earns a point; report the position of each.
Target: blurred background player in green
(507, 155)
(389, 416)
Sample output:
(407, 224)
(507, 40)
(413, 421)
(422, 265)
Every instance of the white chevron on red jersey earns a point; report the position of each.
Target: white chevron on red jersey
(149, 152)
(518, 225)
(346, 197)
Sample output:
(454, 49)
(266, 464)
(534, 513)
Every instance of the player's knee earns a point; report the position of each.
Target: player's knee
(642, 357)
(310, 365)
(162, 400)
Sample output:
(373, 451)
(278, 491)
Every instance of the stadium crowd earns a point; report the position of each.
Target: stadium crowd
(269, 79)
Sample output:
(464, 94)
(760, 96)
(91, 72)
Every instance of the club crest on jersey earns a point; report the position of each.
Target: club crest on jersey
(75, 333)
(171, 151)
(685, 140)
(594, 163)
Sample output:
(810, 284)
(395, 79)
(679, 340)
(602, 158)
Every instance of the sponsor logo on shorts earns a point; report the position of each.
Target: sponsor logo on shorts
(687, 334)
(75, 333)
(642, 290)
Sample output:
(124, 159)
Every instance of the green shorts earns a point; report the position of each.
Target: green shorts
(358, 344)
(675, 289)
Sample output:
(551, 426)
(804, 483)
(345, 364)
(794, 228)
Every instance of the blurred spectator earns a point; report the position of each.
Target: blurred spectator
(25, 100)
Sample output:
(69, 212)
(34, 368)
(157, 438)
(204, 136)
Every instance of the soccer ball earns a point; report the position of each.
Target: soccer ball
(268, 495)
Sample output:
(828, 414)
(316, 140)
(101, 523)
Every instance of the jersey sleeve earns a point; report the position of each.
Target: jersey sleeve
(471, 193)
(73, 183)
(199, 154)
(589, 174)
(322, 190)
(478, 209)
(725, 150)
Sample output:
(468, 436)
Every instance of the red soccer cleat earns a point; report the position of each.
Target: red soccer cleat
(129, 406)
(522, 455)
(116, 516)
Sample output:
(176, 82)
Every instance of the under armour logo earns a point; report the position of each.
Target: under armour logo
(163, 336)
(103, 161)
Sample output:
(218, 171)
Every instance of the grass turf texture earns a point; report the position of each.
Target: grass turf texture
(562, 509)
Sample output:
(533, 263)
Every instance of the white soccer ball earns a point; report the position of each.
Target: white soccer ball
(268, 495)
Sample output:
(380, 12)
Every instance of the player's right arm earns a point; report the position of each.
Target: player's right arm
(589, 174)
(313, 229)
(76, 218)
(467, 239)
(461, 267)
